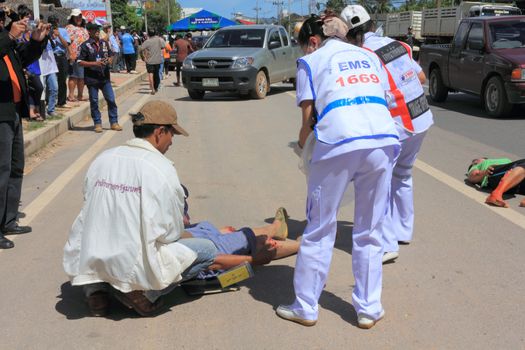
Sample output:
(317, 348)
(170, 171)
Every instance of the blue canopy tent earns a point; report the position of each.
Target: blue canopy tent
(202, 20)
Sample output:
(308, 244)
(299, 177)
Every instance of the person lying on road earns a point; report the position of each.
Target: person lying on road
(501, 176)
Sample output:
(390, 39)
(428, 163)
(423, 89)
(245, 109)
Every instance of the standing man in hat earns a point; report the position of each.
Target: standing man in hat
(96, 57)
(13, 107)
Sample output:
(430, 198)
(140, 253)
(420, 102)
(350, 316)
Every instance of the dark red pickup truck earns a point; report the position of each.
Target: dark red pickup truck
(486, 58)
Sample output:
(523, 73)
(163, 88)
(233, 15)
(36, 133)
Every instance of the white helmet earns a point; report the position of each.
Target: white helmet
(354, 16)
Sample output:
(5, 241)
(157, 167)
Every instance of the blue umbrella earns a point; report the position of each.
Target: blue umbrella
(202, 20)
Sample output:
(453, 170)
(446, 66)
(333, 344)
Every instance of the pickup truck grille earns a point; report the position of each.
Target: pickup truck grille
(212, 63)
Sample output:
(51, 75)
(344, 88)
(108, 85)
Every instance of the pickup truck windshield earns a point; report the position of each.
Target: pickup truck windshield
(237, 38)
(507, 35)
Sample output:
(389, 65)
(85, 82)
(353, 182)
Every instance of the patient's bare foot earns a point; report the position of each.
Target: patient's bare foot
(497, 202)
(522, 203)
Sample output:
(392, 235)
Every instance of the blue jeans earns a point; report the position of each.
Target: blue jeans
(109, 96)
(161, 70)
(52, 91)
(206, 253)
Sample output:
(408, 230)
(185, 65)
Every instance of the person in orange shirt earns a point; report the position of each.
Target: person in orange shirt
(166, 54)
(14, 106)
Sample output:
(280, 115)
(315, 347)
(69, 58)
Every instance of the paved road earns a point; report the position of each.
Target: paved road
(460, 284)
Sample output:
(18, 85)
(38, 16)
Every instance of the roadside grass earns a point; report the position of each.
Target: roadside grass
(32, 125)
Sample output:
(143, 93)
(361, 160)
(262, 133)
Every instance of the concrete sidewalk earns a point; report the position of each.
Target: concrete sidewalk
(35, 140)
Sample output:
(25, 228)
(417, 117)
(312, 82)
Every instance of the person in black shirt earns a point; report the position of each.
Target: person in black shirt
(14, 106)
(96, 57)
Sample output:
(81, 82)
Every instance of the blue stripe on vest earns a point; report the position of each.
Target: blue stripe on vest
(351, 102)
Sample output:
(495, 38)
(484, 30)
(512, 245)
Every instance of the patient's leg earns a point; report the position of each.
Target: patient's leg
(511, 179)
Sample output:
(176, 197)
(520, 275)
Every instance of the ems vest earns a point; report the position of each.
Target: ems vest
(409, 107)
(348, 87)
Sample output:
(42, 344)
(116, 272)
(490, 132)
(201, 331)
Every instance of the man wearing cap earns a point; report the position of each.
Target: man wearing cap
(128, 233)
(96, 57)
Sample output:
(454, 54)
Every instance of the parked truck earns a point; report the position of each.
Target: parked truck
(486, 58)
(397, 24)
(440, 24)
(245, 59)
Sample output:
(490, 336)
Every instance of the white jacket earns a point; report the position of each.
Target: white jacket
(132, 216)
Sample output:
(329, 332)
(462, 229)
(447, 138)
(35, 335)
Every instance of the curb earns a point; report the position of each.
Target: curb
(38, 139)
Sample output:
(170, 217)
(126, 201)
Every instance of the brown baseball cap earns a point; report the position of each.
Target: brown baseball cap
(159, 113)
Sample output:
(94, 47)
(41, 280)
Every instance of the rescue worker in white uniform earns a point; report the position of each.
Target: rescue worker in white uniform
(343, 88)
(413, 118)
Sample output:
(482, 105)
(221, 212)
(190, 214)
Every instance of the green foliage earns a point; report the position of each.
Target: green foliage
(158, 14)
(125, 15)
(335, 5)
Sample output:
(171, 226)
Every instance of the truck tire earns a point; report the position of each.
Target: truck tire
(495, 98)
(196, 94)
(261, 86)
(438, 91)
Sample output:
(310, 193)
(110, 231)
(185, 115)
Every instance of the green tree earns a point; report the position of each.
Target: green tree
(125, 15)
(157, 13)
(334, 5)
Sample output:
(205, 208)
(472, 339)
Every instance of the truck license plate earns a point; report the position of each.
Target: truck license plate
(210, 81)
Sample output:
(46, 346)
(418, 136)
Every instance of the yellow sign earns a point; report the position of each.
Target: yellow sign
(235, 275)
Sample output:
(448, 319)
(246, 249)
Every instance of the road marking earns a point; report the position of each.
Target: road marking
(33, 209)
(510, 214)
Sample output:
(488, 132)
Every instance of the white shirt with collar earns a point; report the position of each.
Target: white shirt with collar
(126, 233)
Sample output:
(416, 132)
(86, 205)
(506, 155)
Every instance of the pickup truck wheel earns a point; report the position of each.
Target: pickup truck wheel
(438, 91)
(196, 94)
(261, 86)
(495, 98)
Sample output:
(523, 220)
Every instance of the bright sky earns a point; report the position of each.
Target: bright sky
(226, 8)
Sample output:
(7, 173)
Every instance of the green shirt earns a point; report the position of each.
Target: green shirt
(487, 163)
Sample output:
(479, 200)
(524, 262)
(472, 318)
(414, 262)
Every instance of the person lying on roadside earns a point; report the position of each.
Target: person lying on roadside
(502, 176)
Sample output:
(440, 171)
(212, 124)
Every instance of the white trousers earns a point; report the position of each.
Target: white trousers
(399, 222)
(371, 171)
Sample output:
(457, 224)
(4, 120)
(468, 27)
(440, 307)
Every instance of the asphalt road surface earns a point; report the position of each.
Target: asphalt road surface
(459, 285)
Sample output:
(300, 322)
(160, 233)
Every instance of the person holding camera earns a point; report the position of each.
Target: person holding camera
(96, 57)
(14, 55)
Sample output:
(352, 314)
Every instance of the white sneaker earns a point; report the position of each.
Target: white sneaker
(390, 256)
(367, 322)
(284, 311)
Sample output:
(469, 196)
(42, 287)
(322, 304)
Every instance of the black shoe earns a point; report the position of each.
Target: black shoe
(5, 243)
(16, 230)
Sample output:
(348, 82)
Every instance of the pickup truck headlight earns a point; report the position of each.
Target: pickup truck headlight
(242, 62)
(518, 74)
(188, 64)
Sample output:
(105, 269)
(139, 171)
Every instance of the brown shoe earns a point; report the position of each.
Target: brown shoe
(137, 301)
(98, 128)
(98, 303)
(116, 127)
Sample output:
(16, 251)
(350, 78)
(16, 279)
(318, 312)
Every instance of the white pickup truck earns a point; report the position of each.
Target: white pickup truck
(245, 59)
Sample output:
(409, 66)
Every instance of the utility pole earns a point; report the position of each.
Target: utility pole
(109, 16)
(36, 9)
(169, 17)
(279, 4)
(257, 9)
(145, 16)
